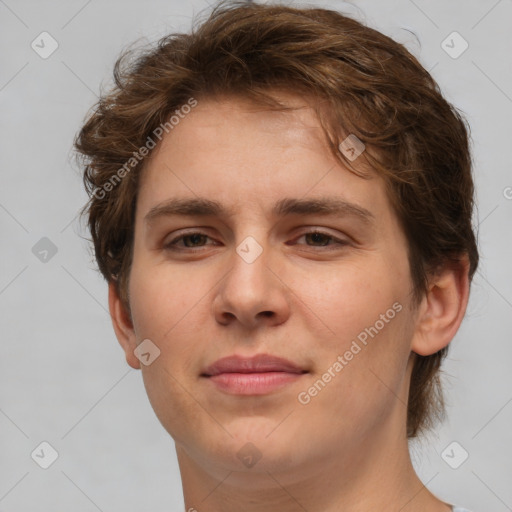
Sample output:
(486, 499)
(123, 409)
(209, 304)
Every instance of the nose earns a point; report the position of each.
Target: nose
(252, 293)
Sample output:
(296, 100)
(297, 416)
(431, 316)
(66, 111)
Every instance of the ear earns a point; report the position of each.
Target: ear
(123, 326)
(442, 309)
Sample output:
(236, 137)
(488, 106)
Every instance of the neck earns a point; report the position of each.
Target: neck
(374, 473)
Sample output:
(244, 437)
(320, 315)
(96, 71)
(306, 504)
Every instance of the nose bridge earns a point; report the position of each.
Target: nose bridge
(250, 290)
(249, 273)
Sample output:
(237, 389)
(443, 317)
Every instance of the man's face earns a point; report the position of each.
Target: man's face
(249, 280)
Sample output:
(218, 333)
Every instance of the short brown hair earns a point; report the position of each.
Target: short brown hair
(370, 86)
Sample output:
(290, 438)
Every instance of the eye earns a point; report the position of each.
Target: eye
(321, 239)
(191, 240)
(196, 240)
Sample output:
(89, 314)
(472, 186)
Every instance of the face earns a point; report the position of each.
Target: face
(268, 272)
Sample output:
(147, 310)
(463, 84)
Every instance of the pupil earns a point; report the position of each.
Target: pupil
(317, 238)
(193, 238)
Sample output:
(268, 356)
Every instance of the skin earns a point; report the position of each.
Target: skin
(300, 299)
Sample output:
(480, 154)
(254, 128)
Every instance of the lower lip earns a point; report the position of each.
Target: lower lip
(253, 383)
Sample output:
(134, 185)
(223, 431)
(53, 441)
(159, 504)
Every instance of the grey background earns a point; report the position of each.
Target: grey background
(63, 376)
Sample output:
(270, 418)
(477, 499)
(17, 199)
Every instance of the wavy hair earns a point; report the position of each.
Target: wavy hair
(366, 84)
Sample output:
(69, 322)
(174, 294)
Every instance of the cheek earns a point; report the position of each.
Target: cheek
(352, 297)
(165, 308)
(169, 308)
(364, 307)
(161, 299)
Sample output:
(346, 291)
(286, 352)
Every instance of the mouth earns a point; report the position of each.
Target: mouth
(256, 375)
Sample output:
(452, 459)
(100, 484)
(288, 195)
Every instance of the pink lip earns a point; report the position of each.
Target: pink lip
(257, 375)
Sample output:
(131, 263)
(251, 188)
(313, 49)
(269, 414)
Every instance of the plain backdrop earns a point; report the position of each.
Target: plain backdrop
(63, 376)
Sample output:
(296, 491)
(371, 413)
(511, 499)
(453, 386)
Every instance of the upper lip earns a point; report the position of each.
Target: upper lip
(257, 364)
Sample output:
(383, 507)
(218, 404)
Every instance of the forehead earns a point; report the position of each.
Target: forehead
(240, 151)
(225, 121)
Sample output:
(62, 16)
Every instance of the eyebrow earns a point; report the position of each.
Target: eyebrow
(325, 206)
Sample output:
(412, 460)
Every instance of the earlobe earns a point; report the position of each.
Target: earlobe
(442, 309)
(123, 326)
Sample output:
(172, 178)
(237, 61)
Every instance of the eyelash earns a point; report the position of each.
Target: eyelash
(171, 246)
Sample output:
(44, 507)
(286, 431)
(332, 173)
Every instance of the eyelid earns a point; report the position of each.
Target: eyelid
(182, 234)
(337, 241)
